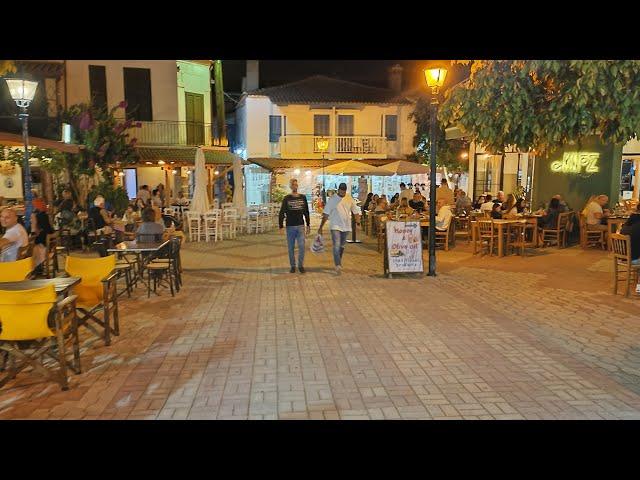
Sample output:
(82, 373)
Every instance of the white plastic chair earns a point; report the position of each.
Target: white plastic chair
(229, 221)
(224, 206)
(254, 224)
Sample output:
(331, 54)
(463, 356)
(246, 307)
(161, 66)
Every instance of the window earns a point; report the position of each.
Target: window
(98, 85)
(275, 128)
(345, 125)
(391, 127)
(321, 126)
(137, 93)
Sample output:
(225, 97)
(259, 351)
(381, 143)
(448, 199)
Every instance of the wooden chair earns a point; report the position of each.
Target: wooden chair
(557, 235)
(590, 237)
(486, 235)
(193, 225)
(519, 234)
(50, 266)
(463, 227)
(97, 292)
(27, 336)
(381, 234)
(212, 225)
(442, 237)
(623, 269)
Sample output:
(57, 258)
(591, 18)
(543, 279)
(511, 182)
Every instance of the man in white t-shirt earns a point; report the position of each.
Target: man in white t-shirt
(14, 238)
(488, 203)
(595, 213)
(405, 193)
(338, 211)
(443, 219)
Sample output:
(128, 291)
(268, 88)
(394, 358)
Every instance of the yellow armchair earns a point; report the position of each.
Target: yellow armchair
(96, 292)
(16, 271)
(38, 322)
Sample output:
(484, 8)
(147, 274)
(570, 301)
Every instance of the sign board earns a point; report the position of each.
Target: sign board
(404, 247)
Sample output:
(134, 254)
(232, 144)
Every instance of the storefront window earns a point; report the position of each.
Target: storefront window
(257, 184)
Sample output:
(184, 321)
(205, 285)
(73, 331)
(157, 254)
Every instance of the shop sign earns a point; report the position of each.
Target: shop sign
(577, 163)
(404, 247)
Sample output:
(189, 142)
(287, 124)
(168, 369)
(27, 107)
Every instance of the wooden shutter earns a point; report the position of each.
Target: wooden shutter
(137, 93)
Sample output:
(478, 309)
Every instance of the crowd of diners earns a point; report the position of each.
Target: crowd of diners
(143, 220)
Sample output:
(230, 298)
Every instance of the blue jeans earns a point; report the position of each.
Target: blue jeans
(293, 234)
(338, 239)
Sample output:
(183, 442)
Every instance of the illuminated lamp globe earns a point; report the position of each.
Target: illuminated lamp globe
(22, 91)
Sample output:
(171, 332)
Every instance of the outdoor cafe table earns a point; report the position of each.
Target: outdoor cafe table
(502, 226)
(142, 250)
(62, 285)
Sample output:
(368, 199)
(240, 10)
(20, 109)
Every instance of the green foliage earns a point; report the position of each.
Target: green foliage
(541, 105)
(116, 196)
(448, 153)
(278, 193)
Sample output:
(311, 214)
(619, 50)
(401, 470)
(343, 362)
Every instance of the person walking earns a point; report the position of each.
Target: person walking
(296, 209)
(338, 211)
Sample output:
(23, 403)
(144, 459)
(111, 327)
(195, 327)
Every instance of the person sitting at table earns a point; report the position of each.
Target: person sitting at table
(444, 216)
(521, 205)
(478, 203)
(550, 218)
(382, 205)
(374, 203)
(632, 228)
(395, 200)
(149, 230)
(101, 219)
(15, 236)
(500, 198)
(563, 205)
(488, 204)
(40, 228)
(37, 202)
(463, 202)
(367, 201)
(496, 211)
(595, 213)
(404, 208)
(416, 202)
(509, 208)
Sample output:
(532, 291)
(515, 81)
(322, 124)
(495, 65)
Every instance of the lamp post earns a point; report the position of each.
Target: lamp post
(322, 144)
(22, 92)
(435, 79)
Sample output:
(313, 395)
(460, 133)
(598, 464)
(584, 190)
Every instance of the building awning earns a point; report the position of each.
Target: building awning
(184, 155)
(15, 140)
(312, 163)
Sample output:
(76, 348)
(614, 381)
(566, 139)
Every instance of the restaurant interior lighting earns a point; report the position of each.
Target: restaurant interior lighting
(160, 162)
(174, 172)
(216, 172)
(296, 171)
(149, 163)
(307, 173)
(464, 155)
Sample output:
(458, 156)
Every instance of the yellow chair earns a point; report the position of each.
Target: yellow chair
(96, 292)
(16, 271)
(27, 336)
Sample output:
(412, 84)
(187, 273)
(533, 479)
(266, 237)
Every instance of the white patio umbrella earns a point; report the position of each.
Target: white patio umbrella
(238, 189)
(200, 200)
(402, 167)
(352, 168)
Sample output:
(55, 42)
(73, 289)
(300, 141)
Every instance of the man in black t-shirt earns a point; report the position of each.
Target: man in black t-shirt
(296, 209)
(416, 203)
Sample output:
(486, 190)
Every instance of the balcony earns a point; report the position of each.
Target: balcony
(364, 146)
(174, 133)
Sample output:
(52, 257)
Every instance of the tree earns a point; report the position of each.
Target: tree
(7, 66)
(106, 143)
(541, 105)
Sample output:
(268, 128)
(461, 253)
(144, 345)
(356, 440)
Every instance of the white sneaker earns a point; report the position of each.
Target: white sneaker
(338, 270)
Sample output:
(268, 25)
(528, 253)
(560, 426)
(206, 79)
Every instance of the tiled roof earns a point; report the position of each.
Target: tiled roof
(321, 89)
(282, 164)
(184, 155)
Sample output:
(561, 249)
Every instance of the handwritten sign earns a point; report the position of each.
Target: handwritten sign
(404, 247)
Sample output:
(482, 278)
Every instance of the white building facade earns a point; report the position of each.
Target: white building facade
(278, 130)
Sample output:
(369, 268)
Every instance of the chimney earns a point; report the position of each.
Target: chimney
(395, 78)
(253, 75)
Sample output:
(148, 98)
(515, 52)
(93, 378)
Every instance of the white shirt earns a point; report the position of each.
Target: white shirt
(487, 206)
(406, 193)
(590, 210)
(144, 195)
(443, 219)
(339, 210)
(18, 237)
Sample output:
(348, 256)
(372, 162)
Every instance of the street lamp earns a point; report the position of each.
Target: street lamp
(322, 144)
(435, 79)
(22, 92)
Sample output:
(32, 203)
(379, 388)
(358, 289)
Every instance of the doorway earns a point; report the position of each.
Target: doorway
(194, 109)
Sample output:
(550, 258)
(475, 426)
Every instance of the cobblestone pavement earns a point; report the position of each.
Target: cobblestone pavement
(540, 337)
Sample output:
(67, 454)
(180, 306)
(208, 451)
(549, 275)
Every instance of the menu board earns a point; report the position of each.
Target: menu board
(404, 247)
